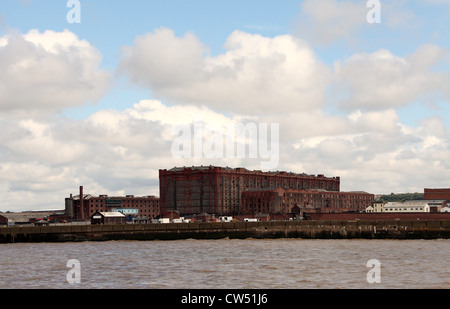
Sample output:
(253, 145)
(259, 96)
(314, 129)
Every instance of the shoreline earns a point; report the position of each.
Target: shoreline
(305, 229)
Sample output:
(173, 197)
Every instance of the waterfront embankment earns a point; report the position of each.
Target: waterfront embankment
(308, 229)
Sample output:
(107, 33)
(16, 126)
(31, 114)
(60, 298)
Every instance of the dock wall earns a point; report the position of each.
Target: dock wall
(319, 229)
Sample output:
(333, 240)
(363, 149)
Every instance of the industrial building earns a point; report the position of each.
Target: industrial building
(225, 191)
(218, 190)
(412, 206)
(434, 200)
(437, 194)
(281, 201)
(31, 217)
(84, 206)
(108, 218)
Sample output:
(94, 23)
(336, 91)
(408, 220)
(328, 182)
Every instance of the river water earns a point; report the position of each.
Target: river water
(226, 264)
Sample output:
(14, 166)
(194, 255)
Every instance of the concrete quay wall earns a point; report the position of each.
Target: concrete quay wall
(319, 229)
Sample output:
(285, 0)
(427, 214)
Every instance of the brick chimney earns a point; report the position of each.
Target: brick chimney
(81, 203)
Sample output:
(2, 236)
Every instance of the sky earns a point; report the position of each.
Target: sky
(94, 93)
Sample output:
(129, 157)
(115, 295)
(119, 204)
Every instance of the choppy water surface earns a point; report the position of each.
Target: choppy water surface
(226, 264)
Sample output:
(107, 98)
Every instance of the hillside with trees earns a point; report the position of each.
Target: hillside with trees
(399, 197)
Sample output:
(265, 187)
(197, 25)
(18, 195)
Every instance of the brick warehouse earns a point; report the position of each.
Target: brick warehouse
(218, 190)
(437, 194)
(281, 201)
(83, 209)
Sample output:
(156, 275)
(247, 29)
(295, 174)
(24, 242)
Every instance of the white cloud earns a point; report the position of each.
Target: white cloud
(381, 80)
(162, 60)
(111, 152)
(373, 151)
(256, 75)
(47, 72)
(120, 152)
(38, 140)
(260, 79)
(281, 75)
(327, 21)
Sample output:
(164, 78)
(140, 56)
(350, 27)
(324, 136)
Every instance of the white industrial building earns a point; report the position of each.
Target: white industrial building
(409, 206)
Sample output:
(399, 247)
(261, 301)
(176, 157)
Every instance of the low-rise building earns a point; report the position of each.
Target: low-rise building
(407, 206)
(83, 206)
(29, 217)
(108, 218)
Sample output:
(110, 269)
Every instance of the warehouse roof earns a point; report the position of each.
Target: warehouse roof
(26, 216)
(240, 169)
(111, 214)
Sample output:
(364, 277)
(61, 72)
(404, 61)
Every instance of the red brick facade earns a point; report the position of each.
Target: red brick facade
(280, 201)
(218, 190)
(436, 194)
(147, 206)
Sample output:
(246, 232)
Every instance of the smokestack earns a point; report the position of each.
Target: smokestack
(69, 206)
(81, 203)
